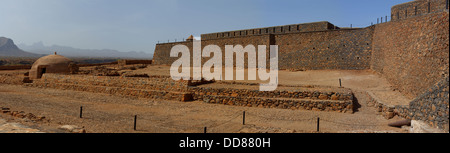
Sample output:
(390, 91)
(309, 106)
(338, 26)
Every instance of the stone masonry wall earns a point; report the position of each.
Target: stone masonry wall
(332, 49)
(412, 54)
(162, 87)
(294, 28)
(15, 67)
(301, 104)
(162, 51)
(417, 8)
(311, 99)
(16, 78)
(150, 83)
(155, 87)
(431, 107)
(335, 49)
(295, 94)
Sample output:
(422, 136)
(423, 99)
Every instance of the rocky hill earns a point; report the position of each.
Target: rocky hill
(8, 48)
(40, 48)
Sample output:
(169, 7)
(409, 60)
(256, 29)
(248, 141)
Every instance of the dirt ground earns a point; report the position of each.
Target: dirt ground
(110, 113)
(357, 80)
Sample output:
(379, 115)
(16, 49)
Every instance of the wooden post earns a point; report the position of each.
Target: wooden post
(204, 130)
(340, 84)
(135, 118)
(81, 111)
(243, 118)
(318, 123)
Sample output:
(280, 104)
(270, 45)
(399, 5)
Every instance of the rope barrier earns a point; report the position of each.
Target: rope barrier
(223, 123)
(268, 118)
(349, 124)
(312, 120)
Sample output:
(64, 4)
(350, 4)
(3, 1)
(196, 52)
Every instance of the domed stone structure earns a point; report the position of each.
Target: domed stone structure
(51, 64)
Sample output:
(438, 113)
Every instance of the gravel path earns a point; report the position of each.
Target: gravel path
(109, 113)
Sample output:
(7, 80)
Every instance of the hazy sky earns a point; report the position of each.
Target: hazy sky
(136, 25)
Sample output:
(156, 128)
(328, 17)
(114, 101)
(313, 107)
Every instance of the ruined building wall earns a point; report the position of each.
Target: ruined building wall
(412, 53)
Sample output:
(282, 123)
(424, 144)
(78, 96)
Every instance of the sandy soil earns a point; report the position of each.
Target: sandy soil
(357, 80)
(109, 113)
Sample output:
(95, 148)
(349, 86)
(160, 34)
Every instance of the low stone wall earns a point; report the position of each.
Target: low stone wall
(12, 78)
(129, 62)
(154, 87)
(345, 106)
(387, 111)
(163, 87)
(129, 92)
(294, 94)
(432, 107)
(15, 67)
(146, 83)
(308, 99)
(98, 64)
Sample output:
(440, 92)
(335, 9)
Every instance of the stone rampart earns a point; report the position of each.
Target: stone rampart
(412, 54)
(332, 49)
(417, 8)
(432, 107)
(293, 28)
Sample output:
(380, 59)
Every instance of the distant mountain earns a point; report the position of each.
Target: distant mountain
(8, 48)
(40, 48)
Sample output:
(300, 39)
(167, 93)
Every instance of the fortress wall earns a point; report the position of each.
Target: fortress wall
(161, 56)
(412, 53)
(294, 28)
(162, 51)
(417, 8)
(431, 106)
(334, 49)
